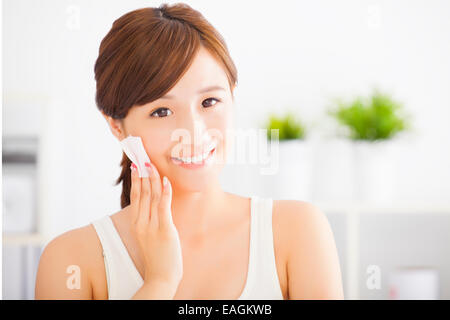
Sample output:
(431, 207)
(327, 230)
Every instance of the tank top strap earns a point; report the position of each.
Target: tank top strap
(264, 254)
(116, 258)
(253, 259)
(265, 250)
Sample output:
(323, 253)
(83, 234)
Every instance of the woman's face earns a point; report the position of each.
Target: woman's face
(193, 116)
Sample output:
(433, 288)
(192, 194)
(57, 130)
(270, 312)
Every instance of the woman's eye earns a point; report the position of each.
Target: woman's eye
(209, 99)
(164, 112)
(161, 112)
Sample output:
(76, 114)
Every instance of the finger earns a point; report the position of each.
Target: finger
(144, 207)
(165, 205)
(154, 219)
(156, 190)
(135, 191)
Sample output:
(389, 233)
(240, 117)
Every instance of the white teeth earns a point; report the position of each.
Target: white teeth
(197, 159)
(186, 160)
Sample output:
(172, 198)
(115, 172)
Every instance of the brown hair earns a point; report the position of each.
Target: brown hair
(144, 55)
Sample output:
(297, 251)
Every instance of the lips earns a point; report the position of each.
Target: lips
(200, 157)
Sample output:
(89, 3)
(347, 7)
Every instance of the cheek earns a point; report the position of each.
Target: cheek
(218, 125)
(222, 119)
(221, 130)
(155, 144)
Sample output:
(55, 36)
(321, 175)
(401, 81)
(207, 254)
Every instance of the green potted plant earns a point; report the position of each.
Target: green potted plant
(377, 118)
(290, 156)
(288, 126)
(372, 124)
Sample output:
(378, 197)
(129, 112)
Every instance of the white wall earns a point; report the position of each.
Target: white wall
(289, 54)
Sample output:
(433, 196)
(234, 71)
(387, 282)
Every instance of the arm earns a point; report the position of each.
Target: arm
(62, 272)
(313, 262)
(156, 290)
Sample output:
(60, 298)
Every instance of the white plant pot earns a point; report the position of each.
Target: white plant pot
(333, 160)
(292, 179)
(374, 172)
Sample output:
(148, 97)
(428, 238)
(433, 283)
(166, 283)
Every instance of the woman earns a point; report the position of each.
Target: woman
(159, 70)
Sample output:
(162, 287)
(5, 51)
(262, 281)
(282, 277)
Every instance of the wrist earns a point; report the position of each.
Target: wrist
(162, 288)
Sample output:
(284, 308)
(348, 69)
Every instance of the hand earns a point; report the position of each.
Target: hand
(153, 227)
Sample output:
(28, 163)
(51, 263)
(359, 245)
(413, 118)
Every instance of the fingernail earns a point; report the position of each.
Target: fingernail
(149, 167)
(164, 180)
(133, 166)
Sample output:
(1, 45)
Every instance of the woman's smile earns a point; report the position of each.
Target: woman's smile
(196, 162)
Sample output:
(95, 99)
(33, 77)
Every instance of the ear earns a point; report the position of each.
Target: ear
(116, 126)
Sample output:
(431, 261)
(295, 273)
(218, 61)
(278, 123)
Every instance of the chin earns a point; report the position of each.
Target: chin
(200, 184)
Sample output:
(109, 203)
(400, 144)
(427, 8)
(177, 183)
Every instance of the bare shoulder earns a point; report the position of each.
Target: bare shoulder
(296, 208)
(295, 215)
(294, 219)
(312, 260)
(67, 264)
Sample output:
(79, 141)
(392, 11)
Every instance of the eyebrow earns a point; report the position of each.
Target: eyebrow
(207, 89)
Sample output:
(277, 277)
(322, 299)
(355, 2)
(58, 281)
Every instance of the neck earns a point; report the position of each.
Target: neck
(196, 213)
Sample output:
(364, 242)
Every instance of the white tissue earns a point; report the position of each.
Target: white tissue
(134, 149)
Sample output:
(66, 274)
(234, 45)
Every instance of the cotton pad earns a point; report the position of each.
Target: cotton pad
(134, 149)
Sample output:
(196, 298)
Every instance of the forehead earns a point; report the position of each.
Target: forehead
(204, 71)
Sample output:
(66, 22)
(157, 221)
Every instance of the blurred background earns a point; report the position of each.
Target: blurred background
(377, 164)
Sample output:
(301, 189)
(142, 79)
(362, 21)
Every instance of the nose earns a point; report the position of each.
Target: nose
(195, 140)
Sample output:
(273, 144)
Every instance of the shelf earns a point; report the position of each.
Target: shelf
(23, 239)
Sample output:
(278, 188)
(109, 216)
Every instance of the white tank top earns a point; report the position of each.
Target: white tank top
(262, 282)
